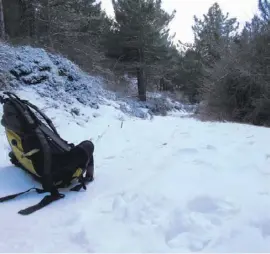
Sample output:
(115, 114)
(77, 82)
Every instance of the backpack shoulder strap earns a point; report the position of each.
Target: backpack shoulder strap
(44, 202)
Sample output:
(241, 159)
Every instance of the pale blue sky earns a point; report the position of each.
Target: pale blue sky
(243, 10)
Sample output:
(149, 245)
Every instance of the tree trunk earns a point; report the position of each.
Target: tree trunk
(30, 19)
(2, 22)
(50, 25)
(141, 84)
(141, 77)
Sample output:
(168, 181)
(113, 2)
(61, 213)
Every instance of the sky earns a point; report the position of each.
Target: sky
(243, 10)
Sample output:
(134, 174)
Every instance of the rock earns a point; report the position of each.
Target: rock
(75, 111)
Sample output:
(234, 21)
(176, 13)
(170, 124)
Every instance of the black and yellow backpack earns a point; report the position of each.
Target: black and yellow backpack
(37, 148)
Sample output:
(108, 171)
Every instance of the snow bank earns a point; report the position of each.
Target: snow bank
(54, 76)
(166, 185)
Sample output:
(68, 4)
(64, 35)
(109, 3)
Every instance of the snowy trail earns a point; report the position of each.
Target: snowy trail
(167, 185)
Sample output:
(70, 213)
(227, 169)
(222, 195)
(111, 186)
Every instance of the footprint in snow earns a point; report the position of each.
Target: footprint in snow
(210, 205)
(263, 225)
(109, 157)
(267, 156)
(263, 193)
(138, 208)
(188, 151)
(211, 148)
(182, 230)
(207, 164)
(80, 238)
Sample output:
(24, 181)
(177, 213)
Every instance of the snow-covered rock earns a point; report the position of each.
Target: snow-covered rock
(54, 76)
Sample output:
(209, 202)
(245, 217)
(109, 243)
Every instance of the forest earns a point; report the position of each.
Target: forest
(224, 71)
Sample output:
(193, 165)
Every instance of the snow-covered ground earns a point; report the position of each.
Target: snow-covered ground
(170, 184)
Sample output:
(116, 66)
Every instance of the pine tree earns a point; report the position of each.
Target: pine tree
(74, 28)
(213, 34)
(264, 8)
(237, 85)
(141, 37)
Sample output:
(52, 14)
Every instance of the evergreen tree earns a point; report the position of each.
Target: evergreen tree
(189, 74)
(264, 8)
(75, 28)
(213, 34)
(141, 37)
(237, 85)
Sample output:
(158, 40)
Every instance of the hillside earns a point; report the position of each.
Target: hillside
(163, 183)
